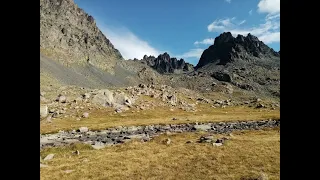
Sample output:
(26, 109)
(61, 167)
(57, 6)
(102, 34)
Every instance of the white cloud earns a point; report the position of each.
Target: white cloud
(228, 1)
(270, 37)
(221, 24)
(250, 12)
(269, 6)
(205, 41)
(242, 22)
(192, 53)
(129, 45)
(268, 32)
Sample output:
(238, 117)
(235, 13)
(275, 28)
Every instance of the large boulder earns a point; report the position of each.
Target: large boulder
(43, 111)
(104, 98)
(118, 100)
(222, 76)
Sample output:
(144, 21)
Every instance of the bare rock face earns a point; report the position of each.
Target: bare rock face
(70, 35)
(226, 49)
(165, 64)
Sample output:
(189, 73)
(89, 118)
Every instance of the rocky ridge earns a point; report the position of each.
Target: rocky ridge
(71, 36)
(166, 64)
(227, 49)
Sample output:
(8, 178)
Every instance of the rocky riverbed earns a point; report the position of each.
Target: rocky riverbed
(117, 135)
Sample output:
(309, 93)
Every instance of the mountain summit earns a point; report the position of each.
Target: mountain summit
(70, 35)
(227, 48)
(165, 64)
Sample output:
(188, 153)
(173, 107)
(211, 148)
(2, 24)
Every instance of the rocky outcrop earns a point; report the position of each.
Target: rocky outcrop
(165, 64)
(222, 76)
(227, 49)
(119, 135)
(70, 35)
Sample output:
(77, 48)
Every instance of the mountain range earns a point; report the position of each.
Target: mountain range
(73, 51)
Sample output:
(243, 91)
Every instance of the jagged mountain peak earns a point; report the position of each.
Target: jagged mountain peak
(227, 48)
(70, 35)
(166, 64)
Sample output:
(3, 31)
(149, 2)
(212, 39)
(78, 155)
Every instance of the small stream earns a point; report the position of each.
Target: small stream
(119, 135)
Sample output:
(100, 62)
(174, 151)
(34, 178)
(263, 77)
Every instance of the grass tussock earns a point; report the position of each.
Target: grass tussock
(247, 155)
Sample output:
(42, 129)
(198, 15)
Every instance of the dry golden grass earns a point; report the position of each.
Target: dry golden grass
(101, 119)
(247, 155)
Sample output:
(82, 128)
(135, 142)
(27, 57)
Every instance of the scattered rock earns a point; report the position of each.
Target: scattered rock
(48, 157)
(86, 96)
(103, 97)
(98, 145)
(118, 135)
(76, 152)
(85, 115)
(174, 119)
(260, 105)
(68, 171)
(43, 165)
(167, 141)
(217, 144)
(83, 129)
(188, 142)
(43, 111)
(220, 141)
(49, 119)
(206, 139)
(62, 99)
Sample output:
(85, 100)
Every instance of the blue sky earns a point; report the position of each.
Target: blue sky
(183, 28)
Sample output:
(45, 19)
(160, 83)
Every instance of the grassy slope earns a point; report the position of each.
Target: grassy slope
(248, 155)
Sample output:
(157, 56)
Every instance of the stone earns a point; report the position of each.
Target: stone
(43, 111)
(118, 110)
(68, 171)
(48, 157)
(86, 96)
(43, 165)
(43, 99)
(83, 129)
(174, 118)
(85, 115)
(98, 145)
(168, 141)
(42, 93)
(104, 98)
(202, 127)
(220, 141)
(49, 119)
(188, 142)
(217, 144)
(62, 99)
(260, 105)
(206, 139)
(173, 99)
(76, 152)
